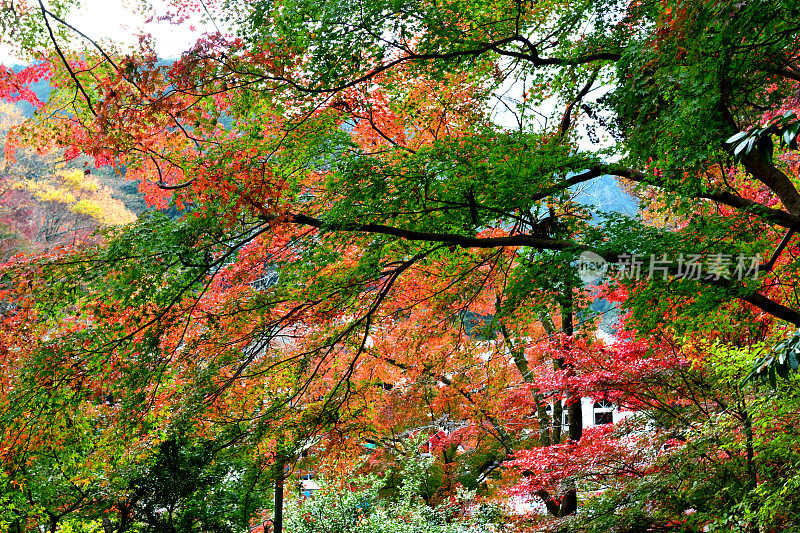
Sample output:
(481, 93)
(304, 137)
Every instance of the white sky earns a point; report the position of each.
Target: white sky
(119, 21)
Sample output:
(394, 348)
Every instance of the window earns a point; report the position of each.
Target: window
(603, 413)
(308, 486)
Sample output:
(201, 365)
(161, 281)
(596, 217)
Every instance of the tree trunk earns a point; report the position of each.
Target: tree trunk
(558, 421)
(544, 421)
(277, 521)
(569, 500)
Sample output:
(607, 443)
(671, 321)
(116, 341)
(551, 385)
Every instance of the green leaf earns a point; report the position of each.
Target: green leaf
(742, 148)
(783, 359)
(788, 136)
(733, 139)
(793, 361)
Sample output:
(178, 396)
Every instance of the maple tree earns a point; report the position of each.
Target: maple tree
(363, 247)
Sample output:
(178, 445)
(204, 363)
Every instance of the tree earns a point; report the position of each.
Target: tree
(46, 204)
(701, 453)
(349, 195)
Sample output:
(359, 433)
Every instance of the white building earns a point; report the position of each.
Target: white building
(595, 413)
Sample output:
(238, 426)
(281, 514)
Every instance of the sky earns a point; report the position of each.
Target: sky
(118, 20)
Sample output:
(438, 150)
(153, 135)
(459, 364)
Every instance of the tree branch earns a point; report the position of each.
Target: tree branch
(771, 263)
(494, 46)
(785, 72)
(64, 59)
(777, 216)
(448, 238)
(567, 117)
(759, 300)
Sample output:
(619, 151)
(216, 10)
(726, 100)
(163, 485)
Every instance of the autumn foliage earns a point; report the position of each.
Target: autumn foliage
(362, 244)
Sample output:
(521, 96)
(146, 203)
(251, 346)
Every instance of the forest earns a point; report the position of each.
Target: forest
(418, 266)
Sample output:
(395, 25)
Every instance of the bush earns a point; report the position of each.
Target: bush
(364, 511)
